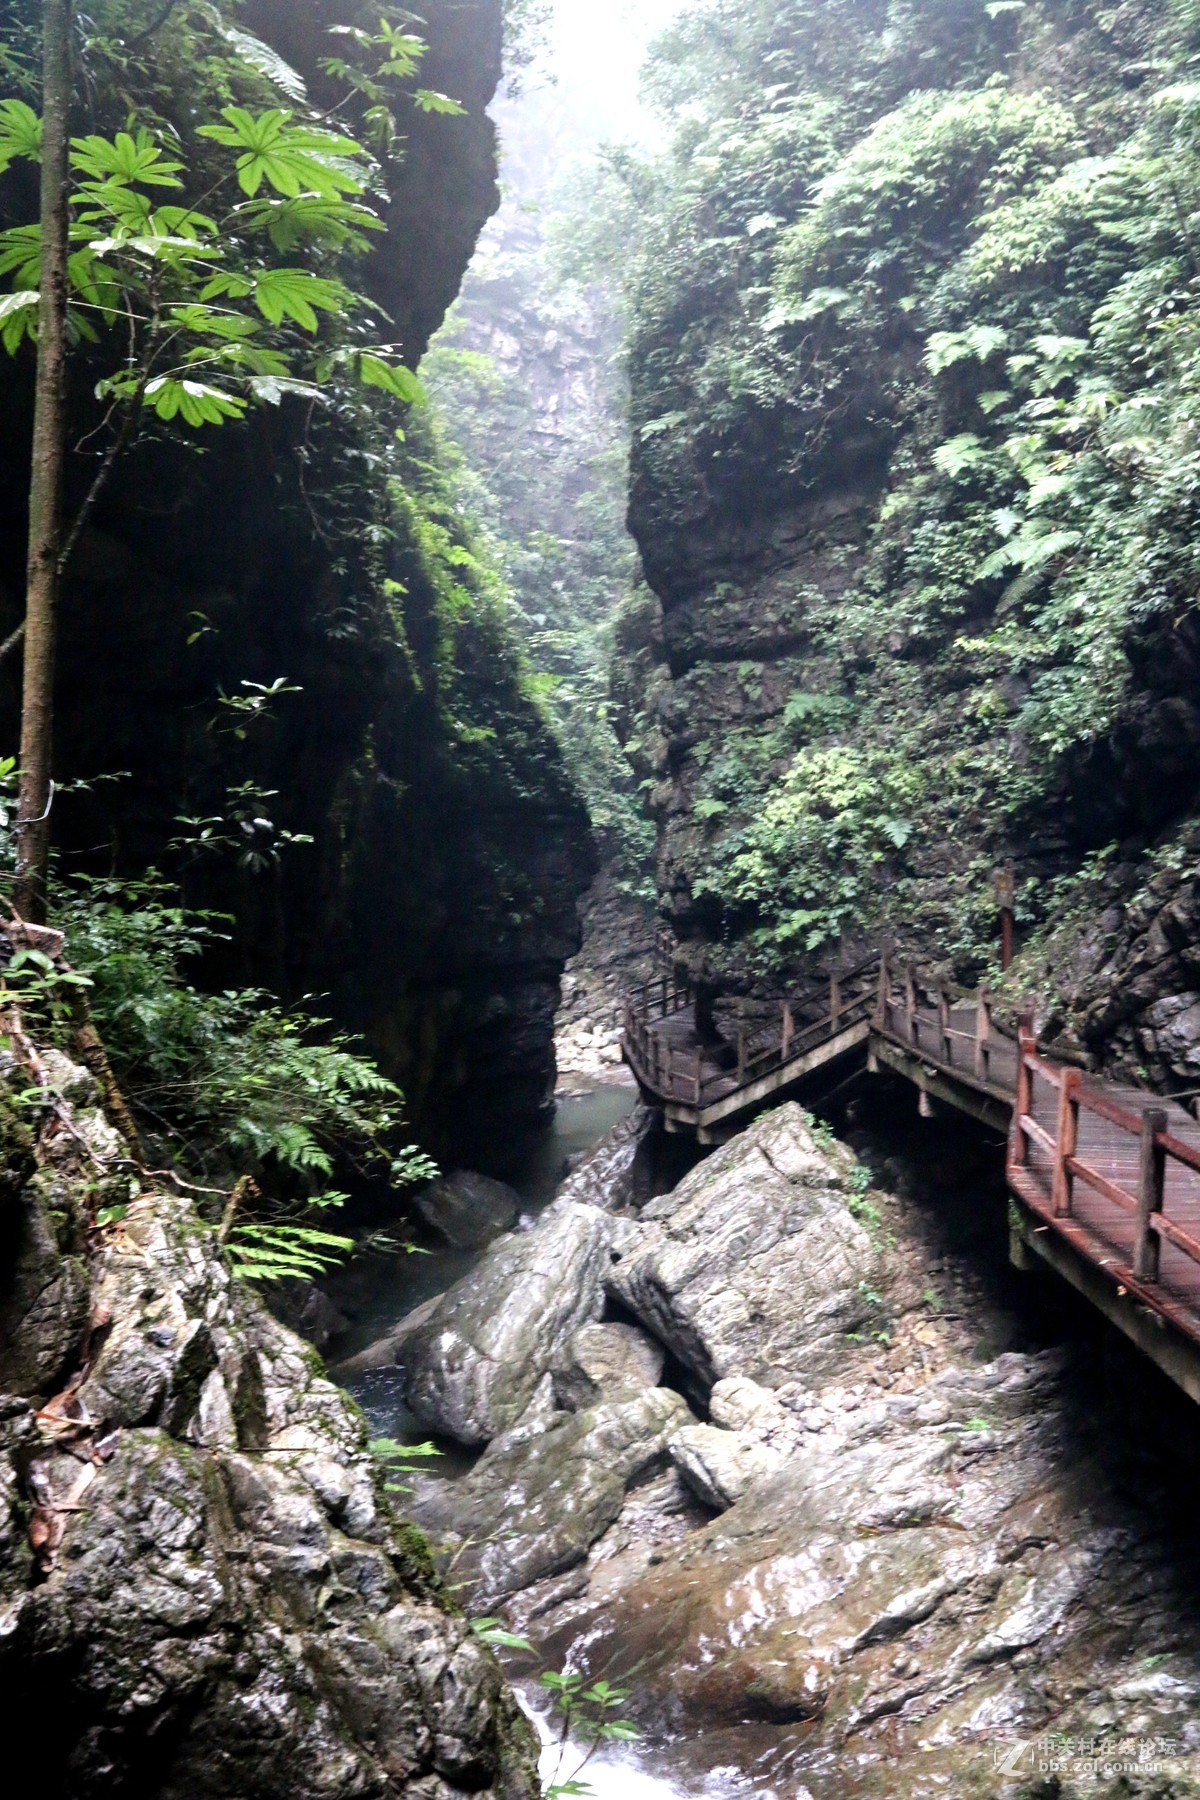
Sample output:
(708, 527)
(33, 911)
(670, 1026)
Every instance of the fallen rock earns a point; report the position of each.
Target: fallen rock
(540, 1496)
(476, 1360)
(469, 1210)
(751, 1436)
(755, 1264)
(606, 1360)
(719, 1466)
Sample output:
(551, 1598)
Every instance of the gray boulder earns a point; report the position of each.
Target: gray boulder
(755, 1264)
(469, 1210)
(720, 1466)
(606, 1360)
(751, 1436)
(473, 1365)
(542, 1495)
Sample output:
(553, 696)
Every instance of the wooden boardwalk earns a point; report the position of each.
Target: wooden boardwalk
(1106, 1179)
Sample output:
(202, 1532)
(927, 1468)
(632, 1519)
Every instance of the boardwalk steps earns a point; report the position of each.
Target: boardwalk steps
(1105, 1180)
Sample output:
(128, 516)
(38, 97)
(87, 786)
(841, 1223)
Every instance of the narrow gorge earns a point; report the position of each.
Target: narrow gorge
(599, 827)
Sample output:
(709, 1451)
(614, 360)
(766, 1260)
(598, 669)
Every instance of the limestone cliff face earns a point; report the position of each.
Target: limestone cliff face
(887, 650)
(435, 906)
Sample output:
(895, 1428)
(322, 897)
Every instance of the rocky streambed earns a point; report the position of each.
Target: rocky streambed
(741, 1447)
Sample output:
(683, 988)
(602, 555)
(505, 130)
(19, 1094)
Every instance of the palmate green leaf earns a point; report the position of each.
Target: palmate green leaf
(195, 402)
(21, 254)
(107, 205)
(428, 100)
(238, 358)
(181, 251)
(227, 283)
(293, 159)
(393, 378)
(20, 257)
(270, 389)
(296, 294)
(20, 133)
(125, 159)
(311, 219)
(208, 321)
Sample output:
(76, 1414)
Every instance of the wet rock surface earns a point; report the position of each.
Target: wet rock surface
(204, 1589)
(616, 1174)
(543, 1494)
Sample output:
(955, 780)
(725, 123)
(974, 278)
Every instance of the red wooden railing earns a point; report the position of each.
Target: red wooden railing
(1048, 1163)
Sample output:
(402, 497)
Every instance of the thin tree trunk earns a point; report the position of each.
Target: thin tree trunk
(46, 474)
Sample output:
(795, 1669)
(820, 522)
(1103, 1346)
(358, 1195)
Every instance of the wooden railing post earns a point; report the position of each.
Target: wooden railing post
(910, 1005)
(885, 990)
(789, 1030)
(1147, 1246)
(983, 1037)
(1019, 1148)
(944, 1025)
(741, 1047)
(1066, 1143)
(835, 1004)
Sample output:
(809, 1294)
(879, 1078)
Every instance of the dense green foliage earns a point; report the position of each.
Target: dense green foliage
(931, 267)
(235, 1082)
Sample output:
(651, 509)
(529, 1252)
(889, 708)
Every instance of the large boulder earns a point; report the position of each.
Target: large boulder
(477, 1359)
(755, 1264)
(469, 1210)
(541, 1496)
